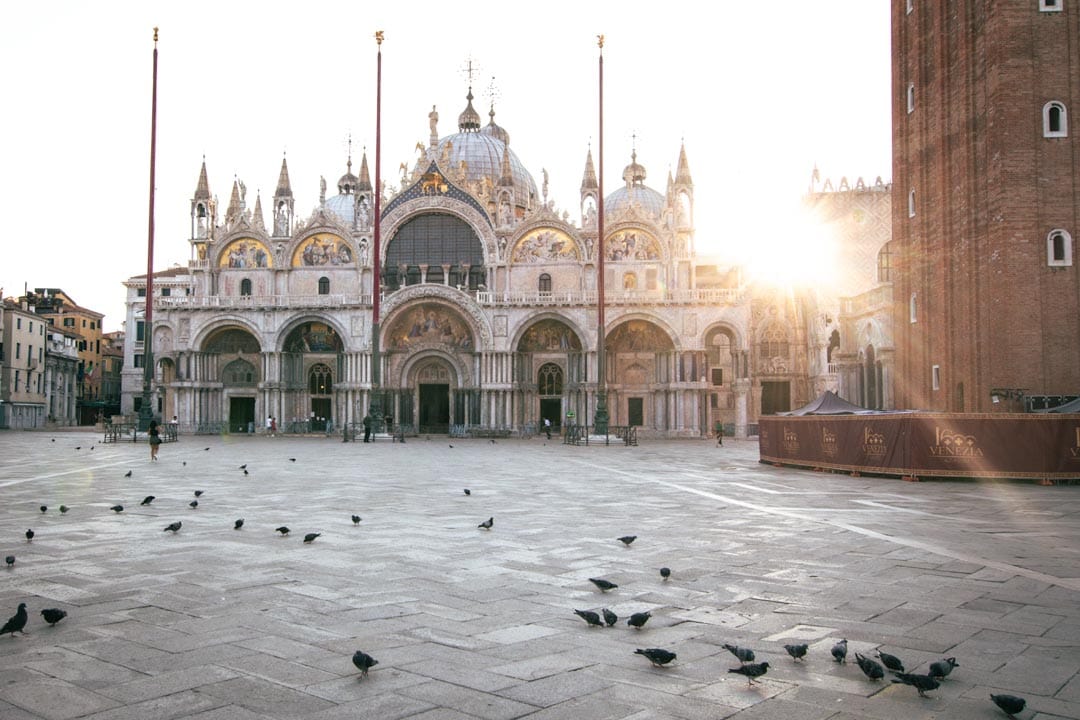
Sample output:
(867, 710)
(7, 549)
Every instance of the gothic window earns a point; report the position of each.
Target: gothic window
(324, 286)
(545, 283)
(884, 263)
(1055, 120)
(320, 380)
(245, 286)
(1059, 249)
(238, 372)
(549, 379)
(774, 342)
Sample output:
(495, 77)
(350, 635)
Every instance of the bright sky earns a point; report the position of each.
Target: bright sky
(759, 93)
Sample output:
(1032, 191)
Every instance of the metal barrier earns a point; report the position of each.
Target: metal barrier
(579, 434)
(115, 432)
(211, 428)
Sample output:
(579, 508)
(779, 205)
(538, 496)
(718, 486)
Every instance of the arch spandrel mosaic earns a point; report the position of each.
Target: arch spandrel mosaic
(314, 337)
(638, 335)
(321, 250)
(631, 245)
(429, 323)
(246, 253)
(545, 245)
(548, 336)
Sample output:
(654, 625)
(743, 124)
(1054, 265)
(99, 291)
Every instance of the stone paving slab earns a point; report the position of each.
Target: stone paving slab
(214, 623)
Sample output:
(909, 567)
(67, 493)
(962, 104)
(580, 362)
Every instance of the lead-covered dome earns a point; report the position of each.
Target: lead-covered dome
(634, 193)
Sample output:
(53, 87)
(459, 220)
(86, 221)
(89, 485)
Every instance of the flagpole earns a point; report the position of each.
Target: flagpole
(600, 420)
(375, 407)
(146, 409)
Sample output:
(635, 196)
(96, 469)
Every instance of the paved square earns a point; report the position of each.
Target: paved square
(216, 623)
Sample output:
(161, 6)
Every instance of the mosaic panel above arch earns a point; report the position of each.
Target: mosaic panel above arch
(313, 337)
(547, 336)
(231, 340)
(638, 336)
(545, 245)
(430, 323)
(631, 245)
(246, 253)
(321, 250)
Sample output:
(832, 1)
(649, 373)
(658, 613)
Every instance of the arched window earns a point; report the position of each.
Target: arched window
(884, 263)
(549, 379)
(238, 372)
(774, 342)
(545, 283)
(911, 97)
(911, 204)
(1055, 120)
(629, 281)
(245, 287)
(434, 239)
(324, 286)
(320, 380)
(1058, 249)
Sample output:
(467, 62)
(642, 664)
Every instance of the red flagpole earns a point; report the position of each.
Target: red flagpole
(146, 411)
(600, 420)
(375, 408)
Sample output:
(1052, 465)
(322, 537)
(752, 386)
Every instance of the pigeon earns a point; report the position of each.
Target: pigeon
(244, 466)
(638, 620)
(839, 651)
(185, 463)
(245, 472)
(665, 572)
(283, 530)
(627, 539)
(745, 655)
(206, 448)
(10, 560)
(238, 524)
(292, 459)
(603, 584)
(175, 526)
(198, 493)
(117, 508)
(797, 652)
(53, 615)
(78, 447)
(451, 446)
(922, 683)
(751, 671)
(487, 523)
(363, 662)
(355, 519)
(1010, 704)
(44, 508)
(310, 537)
(657, 656)
(127, 474)
(193, 504)
(63, 509)
(29, 535)
(590, 617)
(942, 668)
(871, 668)
(147, 500)
(16, 622)
(467, 491)
(891, 661)
(610, 618)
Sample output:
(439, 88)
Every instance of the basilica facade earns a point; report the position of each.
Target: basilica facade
(488, 307)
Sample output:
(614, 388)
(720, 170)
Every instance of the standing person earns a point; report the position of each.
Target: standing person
(367, 428)
(154, 436)
(269, 426)
(719, 434)
(273, 426)
(547, 427)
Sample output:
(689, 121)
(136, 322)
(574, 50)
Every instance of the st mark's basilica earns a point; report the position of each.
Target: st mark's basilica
(488, 305)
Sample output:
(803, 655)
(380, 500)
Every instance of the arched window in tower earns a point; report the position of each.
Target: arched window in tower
(1059, 249)
(884, 263)
(324, 286)
(245, 286)
(544, 285)
(1055, 120)
(320, 379)
(549, 379)
(200, 221)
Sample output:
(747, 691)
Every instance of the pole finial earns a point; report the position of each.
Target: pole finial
(378, 37)
(600, 41)
(155, 35)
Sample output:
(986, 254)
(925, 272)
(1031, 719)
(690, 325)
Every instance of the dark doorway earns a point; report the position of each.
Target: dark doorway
(775, 397)
(434, 408)
(550, 408)
(635, 411)
(241, 414)
(321, 409)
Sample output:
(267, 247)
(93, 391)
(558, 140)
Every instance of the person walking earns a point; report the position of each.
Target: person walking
(719, 434)
(547, 427)
(154, 436)
(367, 428)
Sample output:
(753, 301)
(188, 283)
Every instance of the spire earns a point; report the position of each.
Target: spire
(347, 183)
(284, 189)
(506, 177)
(232, 214)
(257, 221)
(682, 175)
(202, 189)
(365, 178)
(469, 119)
(588, 180)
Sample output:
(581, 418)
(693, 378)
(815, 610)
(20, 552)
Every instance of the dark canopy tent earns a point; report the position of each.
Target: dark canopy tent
(1073, 406)
(829, 403)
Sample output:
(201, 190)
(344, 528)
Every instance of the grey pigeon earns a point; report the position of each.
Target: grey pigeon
(283, 530)
(797, 652)
(590, 617)
(486, 525)
(117, 508)
(244, 466)
(310, 537)
(665, 572)
(53, 615)
(29, 535)
(839, 651)
(603, 584)
(627, 539)
(127, 474)
(193, 504)
(745, 655)
(355, 519)
(871, 668)
(44, 508)
(942, 668)
(657, 656)
(16, 622)
(468, 492)
(363, 662)
(751, 671)
(922, 683)
(891, 661)
(10, 560)
(63, 509)
(198, 493)
(174, 526)
(610, 618)
(638, 620)
(238, 524)
(147, 500)
(292, 459)
(1010, 704)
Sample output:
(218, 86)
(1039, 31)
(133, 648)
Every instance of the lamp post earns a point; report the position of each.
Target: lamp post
(146, 409)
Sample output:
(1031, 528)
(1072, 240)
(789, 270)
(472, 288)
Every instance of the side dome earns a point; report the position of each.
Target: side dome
(344, 206)
(635, 193)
